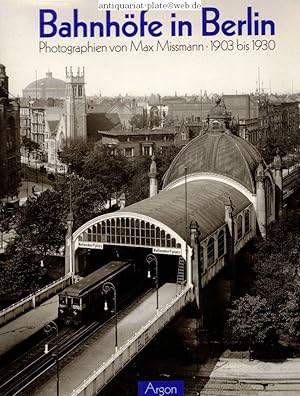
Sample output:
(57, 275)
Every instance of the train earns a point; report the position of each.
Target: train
(85, 301)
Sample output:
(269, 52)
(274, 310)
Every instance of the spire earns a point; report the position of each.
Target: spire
(153, 167)
(122, 201)
(228, 206)
(152, 178)
(261, 214)
(277, 162)
(228, 202)
(260, 172)
(70, 222)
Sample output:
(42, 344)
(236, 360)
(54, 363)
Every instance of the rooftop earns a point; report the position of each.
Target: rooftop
(205, 203)
(217, 151)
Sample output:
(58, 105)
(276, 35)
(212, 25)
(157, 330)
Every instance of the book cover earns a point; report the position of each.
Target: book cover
(104, 69)
(209, 46)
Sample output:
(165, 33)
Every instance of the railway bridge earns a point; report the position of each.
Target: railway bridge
(217, 195)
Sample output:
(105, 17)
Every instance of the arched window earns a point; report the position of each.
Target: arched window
(128, 231)
(152, 235)
(210, 251)
(163, 238)
(168, 240)
(221, 244)
(94, 233)
(247, 221)
(147, 241)
(239, 227)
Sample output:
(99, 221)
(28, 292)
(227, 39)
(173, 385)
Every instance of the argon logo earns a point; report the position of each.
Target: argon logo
(160, 388)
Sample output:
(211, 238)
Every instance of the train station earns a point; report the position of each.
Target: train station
(217, 194)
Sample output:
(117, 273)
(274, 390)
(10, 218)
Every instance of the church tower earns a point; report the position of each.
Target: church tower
(75, 105)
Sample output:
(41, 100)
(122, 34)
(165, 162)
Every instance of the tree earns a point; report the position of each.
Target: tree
(48, 211)
(38, 218)
(41, 228)
(108, 168)
(29, 145)
(251, 321)
(101, 165)
(21, 273)
(289, 313)
(6, 221)
(138, 188)
(277, 281)
(74, 155)
(286, 141)
(139, 121)
(275, 270)
(164, 159)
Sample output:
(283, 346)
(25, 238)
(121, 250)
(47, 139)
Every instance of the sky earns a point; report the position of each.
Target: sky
(143, 73)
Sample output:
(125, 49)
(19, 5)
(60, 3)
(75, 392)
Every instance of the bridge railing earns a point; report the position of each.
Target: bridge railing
(109, 369)
(291, 177)
(33, 300)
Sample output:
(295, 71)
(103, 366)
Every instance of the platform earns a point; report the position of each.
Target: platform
(98, 349)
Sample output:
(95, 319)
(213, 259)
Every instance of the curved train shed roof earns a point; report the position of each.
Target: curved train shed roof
(205, 204)
(220, 153)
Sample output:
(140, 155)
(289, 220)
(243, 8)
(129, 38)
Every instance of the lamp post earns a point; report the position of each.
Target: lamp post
(150, 259)
(107, 287)
(36, 172)
(70, 187)
(49, 328)
(27, 171)
(55, 156)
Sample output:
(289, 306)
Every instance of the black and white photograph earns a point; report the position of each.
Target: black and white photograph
(149, 198)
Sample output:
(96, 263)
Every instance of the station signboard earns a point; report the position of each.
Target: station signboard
(90, 245)
(167, 250)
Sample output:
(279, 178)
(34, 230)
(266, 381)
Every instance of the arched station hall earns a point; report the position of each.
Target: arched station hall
(217, 194)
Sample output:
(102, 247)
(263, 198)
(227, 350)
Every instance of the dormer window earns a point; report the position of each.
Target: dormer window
(215, 124)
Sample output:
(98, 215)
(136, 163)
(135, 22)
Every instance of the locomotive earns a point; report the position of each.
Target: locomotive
(83, 301)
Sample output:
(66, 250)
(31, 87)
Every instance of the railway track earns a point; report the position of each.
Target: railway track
(20, 380)
(33, 347)
(17, 377)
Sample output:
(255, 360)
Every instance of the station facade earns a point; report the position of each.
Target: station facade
(217, 195)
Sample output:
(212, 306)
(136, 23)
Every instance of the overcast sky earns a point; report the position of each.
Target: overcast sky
(156, 72)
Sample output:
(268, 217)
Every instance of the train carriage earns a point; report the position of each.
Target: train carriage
(83, 301)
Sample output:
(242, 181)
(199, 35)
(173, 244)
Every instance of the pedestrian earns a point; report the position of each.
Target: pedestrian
(33, 189)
